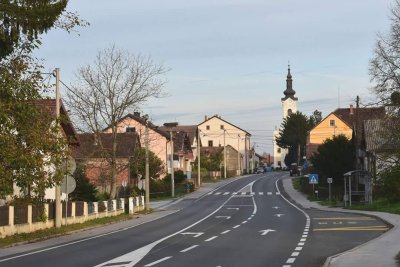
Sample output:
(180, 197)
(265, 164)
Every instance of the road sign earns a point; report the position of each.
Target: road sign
(313, 178)
(68, 184)
(329, 180)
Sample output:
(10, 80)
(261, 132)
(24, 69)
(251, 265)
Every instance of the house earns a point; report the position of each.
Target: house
(217, 132)
(184, 137)
(95, 153)
(233, 159)
(158, 139)
(345, 121)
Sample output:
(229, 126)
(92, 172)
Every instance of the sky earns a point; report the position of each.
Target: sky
(230, 57)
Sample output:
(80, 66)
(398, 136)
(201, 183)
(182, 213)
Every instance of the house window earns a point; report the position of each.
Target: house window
(332, 123)
(222, 127)
(208, 127)
(210, 143)
(279, 150)
(130, 129)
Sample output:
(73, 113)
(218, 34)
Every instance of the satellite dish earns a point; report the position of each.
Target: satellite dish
(68, 184)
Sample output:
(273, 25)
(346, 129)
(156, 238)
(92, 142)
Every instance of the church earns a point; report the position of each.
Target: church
(289, 106)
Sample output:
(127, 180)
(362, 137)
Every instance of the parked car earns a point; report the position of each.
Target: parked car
(260, 170)
(294, 169)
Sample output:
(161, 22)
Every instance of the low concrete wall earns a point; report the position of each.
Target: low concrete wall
(133, 205)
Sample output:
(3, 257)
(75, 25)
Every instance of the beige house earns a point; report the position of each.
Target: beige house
(216, 132)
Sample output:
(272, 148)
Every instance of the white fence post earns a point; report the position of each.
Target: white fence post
(131, 205)
(11, 215)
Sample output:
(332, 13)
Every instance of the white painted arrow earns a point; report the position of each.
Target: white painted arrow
(264, 232)
(192, 233)
(226, 217)
(279, 215)
(276, 207)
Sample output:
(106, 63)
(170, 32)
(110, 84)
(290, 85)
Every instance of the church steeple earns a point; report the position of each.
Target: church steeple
(289, 92)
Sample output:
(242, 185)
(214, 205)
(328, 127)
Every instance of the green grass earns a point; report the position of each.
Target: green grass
(296, 184)
(378, 205)
(53, 232)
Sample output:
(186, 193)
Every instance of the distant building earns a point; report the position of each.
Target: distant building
(289, 106)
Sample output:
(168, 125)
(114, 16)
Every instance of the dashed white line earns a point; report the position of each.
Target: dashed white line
(261, 193)
(295, 254)
(244, 193)
(189, 248)
(304, 236)
(225, 232)
(290, 260)
(298, 248)
(301, 244)
(269, 193)
(236, 226)
(244, 222)
(156, 262)
(218, 193)
(303, 240)
(211, 238)
(226, 193)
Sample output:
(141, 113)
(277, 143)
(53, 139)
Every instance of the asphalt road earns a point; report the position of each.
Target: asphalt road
(247, 222)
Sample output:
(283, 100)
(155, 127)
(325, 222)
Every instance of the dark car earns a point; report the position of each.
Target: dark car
(294, 169)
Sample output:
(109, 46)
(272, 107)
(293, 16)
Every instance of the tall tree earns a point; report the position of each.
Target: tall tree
(115, 84)
(23, 21)
(293, 136)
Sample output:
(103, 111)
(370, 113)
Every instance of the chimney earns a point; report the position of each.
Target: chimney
(205, 118)
(351, 110)
(136, 113)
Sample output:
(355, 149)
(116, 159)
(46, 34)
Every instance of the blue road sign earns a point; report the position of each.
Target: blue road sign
(313, 178)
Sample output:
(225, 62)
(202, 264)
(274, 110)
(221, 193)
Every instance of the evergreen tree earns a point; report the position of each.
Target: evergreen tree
(138, 164)
(84, 191)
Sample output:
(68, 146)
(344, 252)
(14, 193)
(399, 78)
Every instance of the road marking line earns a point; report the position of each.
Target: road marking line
(304, 236)
(286, 265)
(234, 193)
(295, 254)
(252, 193)
(217, 193)
(301, 244)
(189, 248)
(305, 233)
(303, 240)
(269, 193)
(211, 238)
(226, 217)
(226, 231)
(244, 193)
(290, 260)
(236, 226)
(249, 218)
(277, 193)
(244, 222)
(382, 228)
(156, 262)
(210, 193)
(298, 248)
(226, 193)
(348, 218)
(261, 193)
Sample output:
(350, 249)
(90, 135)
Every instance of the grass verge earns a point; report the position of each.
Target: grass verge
(54, 232)
(378, 205)
(296, 184)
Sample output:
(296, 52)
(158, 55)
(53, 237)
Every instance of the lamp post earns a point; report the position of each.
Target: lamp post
(198, 159)
(170, 125)
(58, 215)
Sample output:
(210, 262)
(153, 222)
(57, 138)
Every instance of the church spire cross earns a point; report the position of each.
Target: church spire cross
(289, 92)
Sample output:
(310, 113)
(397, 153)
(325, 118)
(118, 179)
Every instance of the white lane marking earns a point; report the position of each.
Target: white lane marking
(232, 208)
(252, 193)
(249, 218)
(295, 254)
(225, 232)
(234, 193)
(189, 248)
(278, 215)
(301, 244)
(210, 193)
(223, 217)
(226, 193)
(286, 265)
(211, 238)
(264, 232)
(276, 207)
(261, 193)
(192, 233)
(269, 193)
(298, 248)
(303, 240)
(218, 193)
(290, 260)
(304, 236)
(236, 226)
(156, 262)
(244, 222)
(278, 193)
(244, 193)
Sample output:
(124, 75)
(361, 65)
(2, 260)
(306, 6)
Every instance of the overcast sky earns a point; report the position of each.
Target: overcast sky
(230, 57)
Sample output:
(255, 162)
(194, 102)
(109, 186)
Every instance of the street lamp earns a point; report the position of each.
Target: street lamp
(171, 125)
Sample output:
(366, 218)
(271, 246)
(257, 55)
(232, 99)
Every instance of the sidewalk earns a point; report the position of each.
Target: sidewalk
(379, 252)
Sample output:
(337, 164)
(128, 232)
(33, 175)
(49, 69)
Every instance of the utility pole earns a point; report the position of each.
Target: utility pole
(58, 212)
(147, 172)
(198, 158)
(238, 157)
(224, 155)
(170, 125)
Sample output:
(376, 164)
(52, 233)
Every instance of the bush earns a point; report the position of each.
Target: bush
(179, 177)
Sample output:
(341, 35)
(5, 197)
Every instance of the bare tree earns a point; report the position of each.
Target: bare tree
(115, 84)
